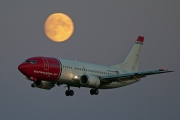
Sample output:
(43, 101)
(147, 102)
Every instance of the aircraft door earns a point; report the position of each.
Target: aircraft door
(84, 70)
(46, 63)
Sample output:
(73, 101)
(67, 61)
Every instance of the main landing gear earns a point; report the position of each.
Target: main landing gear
(69, 92)
(94, 91)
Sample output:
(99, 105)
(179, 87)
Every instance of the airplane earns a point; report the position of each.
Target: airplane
(46, 72)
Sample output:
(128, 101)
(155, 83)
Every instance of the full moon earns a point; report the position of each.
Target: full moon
(58, 27)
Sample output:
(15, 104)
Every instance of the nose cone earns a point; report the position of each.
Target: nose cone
(22, 68)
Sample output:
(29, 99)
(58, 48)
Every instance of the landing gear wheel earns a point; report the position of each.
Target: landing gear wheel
(94, 91)
(67, 92)
(32, 85)
(71, 92)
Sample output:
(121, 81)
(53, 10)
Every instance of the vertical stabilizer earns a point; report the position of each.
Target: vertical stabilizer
(131, 62)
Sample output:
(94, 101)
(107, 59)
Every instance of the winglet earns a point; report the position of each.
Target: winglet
(163, 69)
(140, 39)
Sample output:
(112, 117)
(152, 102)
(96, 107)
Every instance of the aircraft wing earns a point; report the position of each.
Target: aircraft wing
(130, 76)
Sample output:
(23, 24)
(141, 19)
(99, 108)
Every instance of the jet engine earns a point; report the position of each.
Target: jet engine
(43, 84)
(90, 81)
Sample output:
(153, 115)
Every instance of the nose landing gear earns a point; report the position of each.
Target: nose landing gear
(33, 85)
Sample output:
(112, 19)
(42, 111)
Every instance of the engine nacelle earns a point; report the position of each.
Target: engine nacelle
(43, 85)
(90, 81)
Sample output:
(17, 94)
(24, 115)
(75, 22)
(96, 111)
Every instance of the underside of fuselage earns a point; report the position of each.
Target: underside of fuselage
(76, 83)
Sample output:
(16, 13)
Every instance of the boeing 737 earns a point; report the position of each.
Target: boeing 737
(46, 72)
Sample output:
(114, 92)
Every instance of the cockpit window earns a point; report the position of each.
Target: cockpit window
(31, 61)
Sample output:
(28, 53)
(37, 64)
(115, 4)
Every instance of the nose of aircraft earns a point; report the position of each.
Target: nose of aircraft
(22, 68)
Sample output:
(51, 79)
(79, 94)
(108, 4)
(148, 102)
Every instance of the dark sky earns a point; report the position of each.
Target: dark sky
(104, 32)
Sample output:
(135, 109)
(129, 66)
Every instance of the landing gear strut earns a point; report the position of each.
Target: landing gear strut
(94, 91)
(69, 92)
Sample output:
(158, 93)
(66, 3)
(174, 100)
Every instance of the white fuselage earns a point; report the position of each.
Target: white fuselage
(73, 70)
